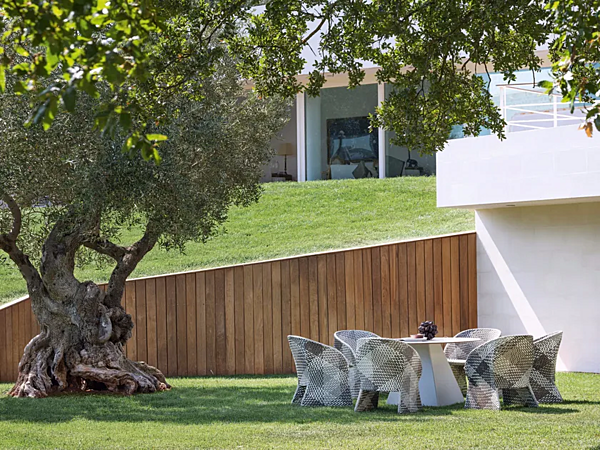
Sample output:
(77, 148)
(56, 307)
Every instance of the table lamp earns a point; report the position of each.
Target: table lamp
(286, 149)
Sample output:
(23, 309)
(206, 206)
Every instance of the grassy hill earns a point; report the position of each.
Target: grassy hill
(297, 218)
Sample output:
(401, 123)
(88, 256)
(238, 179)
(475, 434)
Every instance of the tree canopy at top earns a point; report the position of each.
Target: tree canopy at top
(427, 50)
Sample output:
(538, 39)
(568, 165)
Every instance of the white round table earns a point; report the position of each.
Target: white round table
(437, 385)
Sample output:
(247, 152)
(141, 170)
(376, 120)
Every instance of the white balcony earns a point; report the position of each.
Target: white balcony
(545, 158)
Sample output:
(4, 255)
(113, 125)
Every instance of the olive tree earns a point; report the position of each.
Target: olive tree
(67, 192)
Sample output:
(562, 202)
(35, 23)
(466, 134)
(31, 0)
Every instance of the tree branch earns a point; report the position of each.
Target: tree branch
(105, 247)
(127, 263)
(15, 210)
(315, 31)
(8, 244)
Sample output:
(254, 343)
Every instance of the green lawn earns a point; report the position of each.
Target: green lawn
(255, 413)
(297, 218)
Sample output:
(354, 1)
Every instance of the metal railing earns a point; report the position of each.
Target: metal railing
(521, 113)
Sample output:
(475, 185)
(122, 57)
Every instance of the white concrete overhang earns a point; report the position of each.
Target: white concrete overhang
(539, 167)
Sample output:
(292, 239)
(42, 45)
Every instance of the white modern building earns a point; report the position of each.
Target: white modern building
(536, 197)
(330, 137)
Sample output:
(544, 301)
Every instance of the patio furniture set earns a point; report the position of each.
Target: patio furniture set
(478, 364)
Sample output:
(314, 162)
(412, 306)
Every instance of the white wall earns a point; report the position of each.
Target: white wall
(539, 272)
(535, 167)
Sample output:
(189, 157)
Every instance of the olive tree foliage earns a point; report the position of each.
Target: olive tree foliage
(575, 55)
(67, 192)
(59, 49)
(69, 46)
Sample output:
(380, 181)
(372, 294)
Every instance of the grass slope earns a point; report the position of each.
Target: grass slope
(296, 218)
(256, 413)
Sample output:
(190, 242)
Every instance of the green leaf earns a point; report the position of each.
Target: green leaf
(545, 84)
(51, 59)
(70, 98)
(597, 122)
(156, 156)
(2, 78)
(21, 51)
(156, 137)
(125, 120)
(38, 114)
(50, 113)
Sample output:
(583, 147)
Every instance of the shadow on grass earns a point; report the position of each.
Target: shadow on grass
(552, 410)
(230, 403)
(581, 402)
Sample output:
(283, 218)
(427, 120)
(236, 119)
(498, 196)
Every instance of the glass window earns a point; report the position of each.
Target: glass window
(339, 143)
(400, 162)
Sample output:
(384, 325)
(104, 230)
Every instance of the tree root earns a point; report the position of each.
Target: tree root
(45, 370)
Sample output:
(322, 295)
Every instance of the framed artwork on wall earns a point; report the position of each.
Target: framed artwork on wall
(349, 141)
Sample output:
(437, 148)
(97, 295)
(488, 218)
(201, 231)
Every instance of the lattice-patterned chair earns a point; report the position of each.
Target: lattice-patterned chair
(324, 378)
(388, 365)
(299, 355)
(544, 368)
(500, 366)
(457, 353)
(346, 341)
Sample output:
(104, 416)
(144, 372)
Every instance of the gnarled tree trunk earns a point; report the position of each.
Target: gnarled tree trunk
(80, 347)
(83, 329)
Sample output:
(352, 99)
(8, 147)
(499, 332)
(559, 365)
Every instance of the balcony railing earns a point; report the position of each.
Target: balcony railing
(526, 108)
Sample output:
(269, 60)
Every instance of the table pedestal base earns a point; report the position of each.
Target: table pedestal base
(437, 386)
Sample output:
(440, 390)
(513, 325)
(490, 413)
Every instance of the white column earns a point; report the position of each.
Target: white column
(300, 137)
(316, 159)
(381, 133)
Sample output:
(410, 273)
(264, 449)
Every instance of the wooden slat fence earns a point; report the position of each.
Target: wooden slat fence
(234, 320)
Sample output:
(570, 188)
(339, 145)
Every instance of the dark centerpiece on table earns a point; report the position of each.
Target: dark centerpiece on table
(428, 329)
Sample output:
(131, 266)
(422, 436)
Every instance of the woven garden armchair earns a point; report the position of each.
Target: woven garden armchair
(544, 368)
(501, 366)
(346, 342)
(323, 378)
(457, 353)
(388, 365)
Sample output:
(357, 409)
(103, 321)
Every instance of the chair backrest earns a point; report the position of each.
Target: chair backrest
(384, 363)
(324, 356)
(306, 351)
(506, 360)
(462, 350)
(546, 352)
(298, 353)
(346, 342)
(351, 337)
